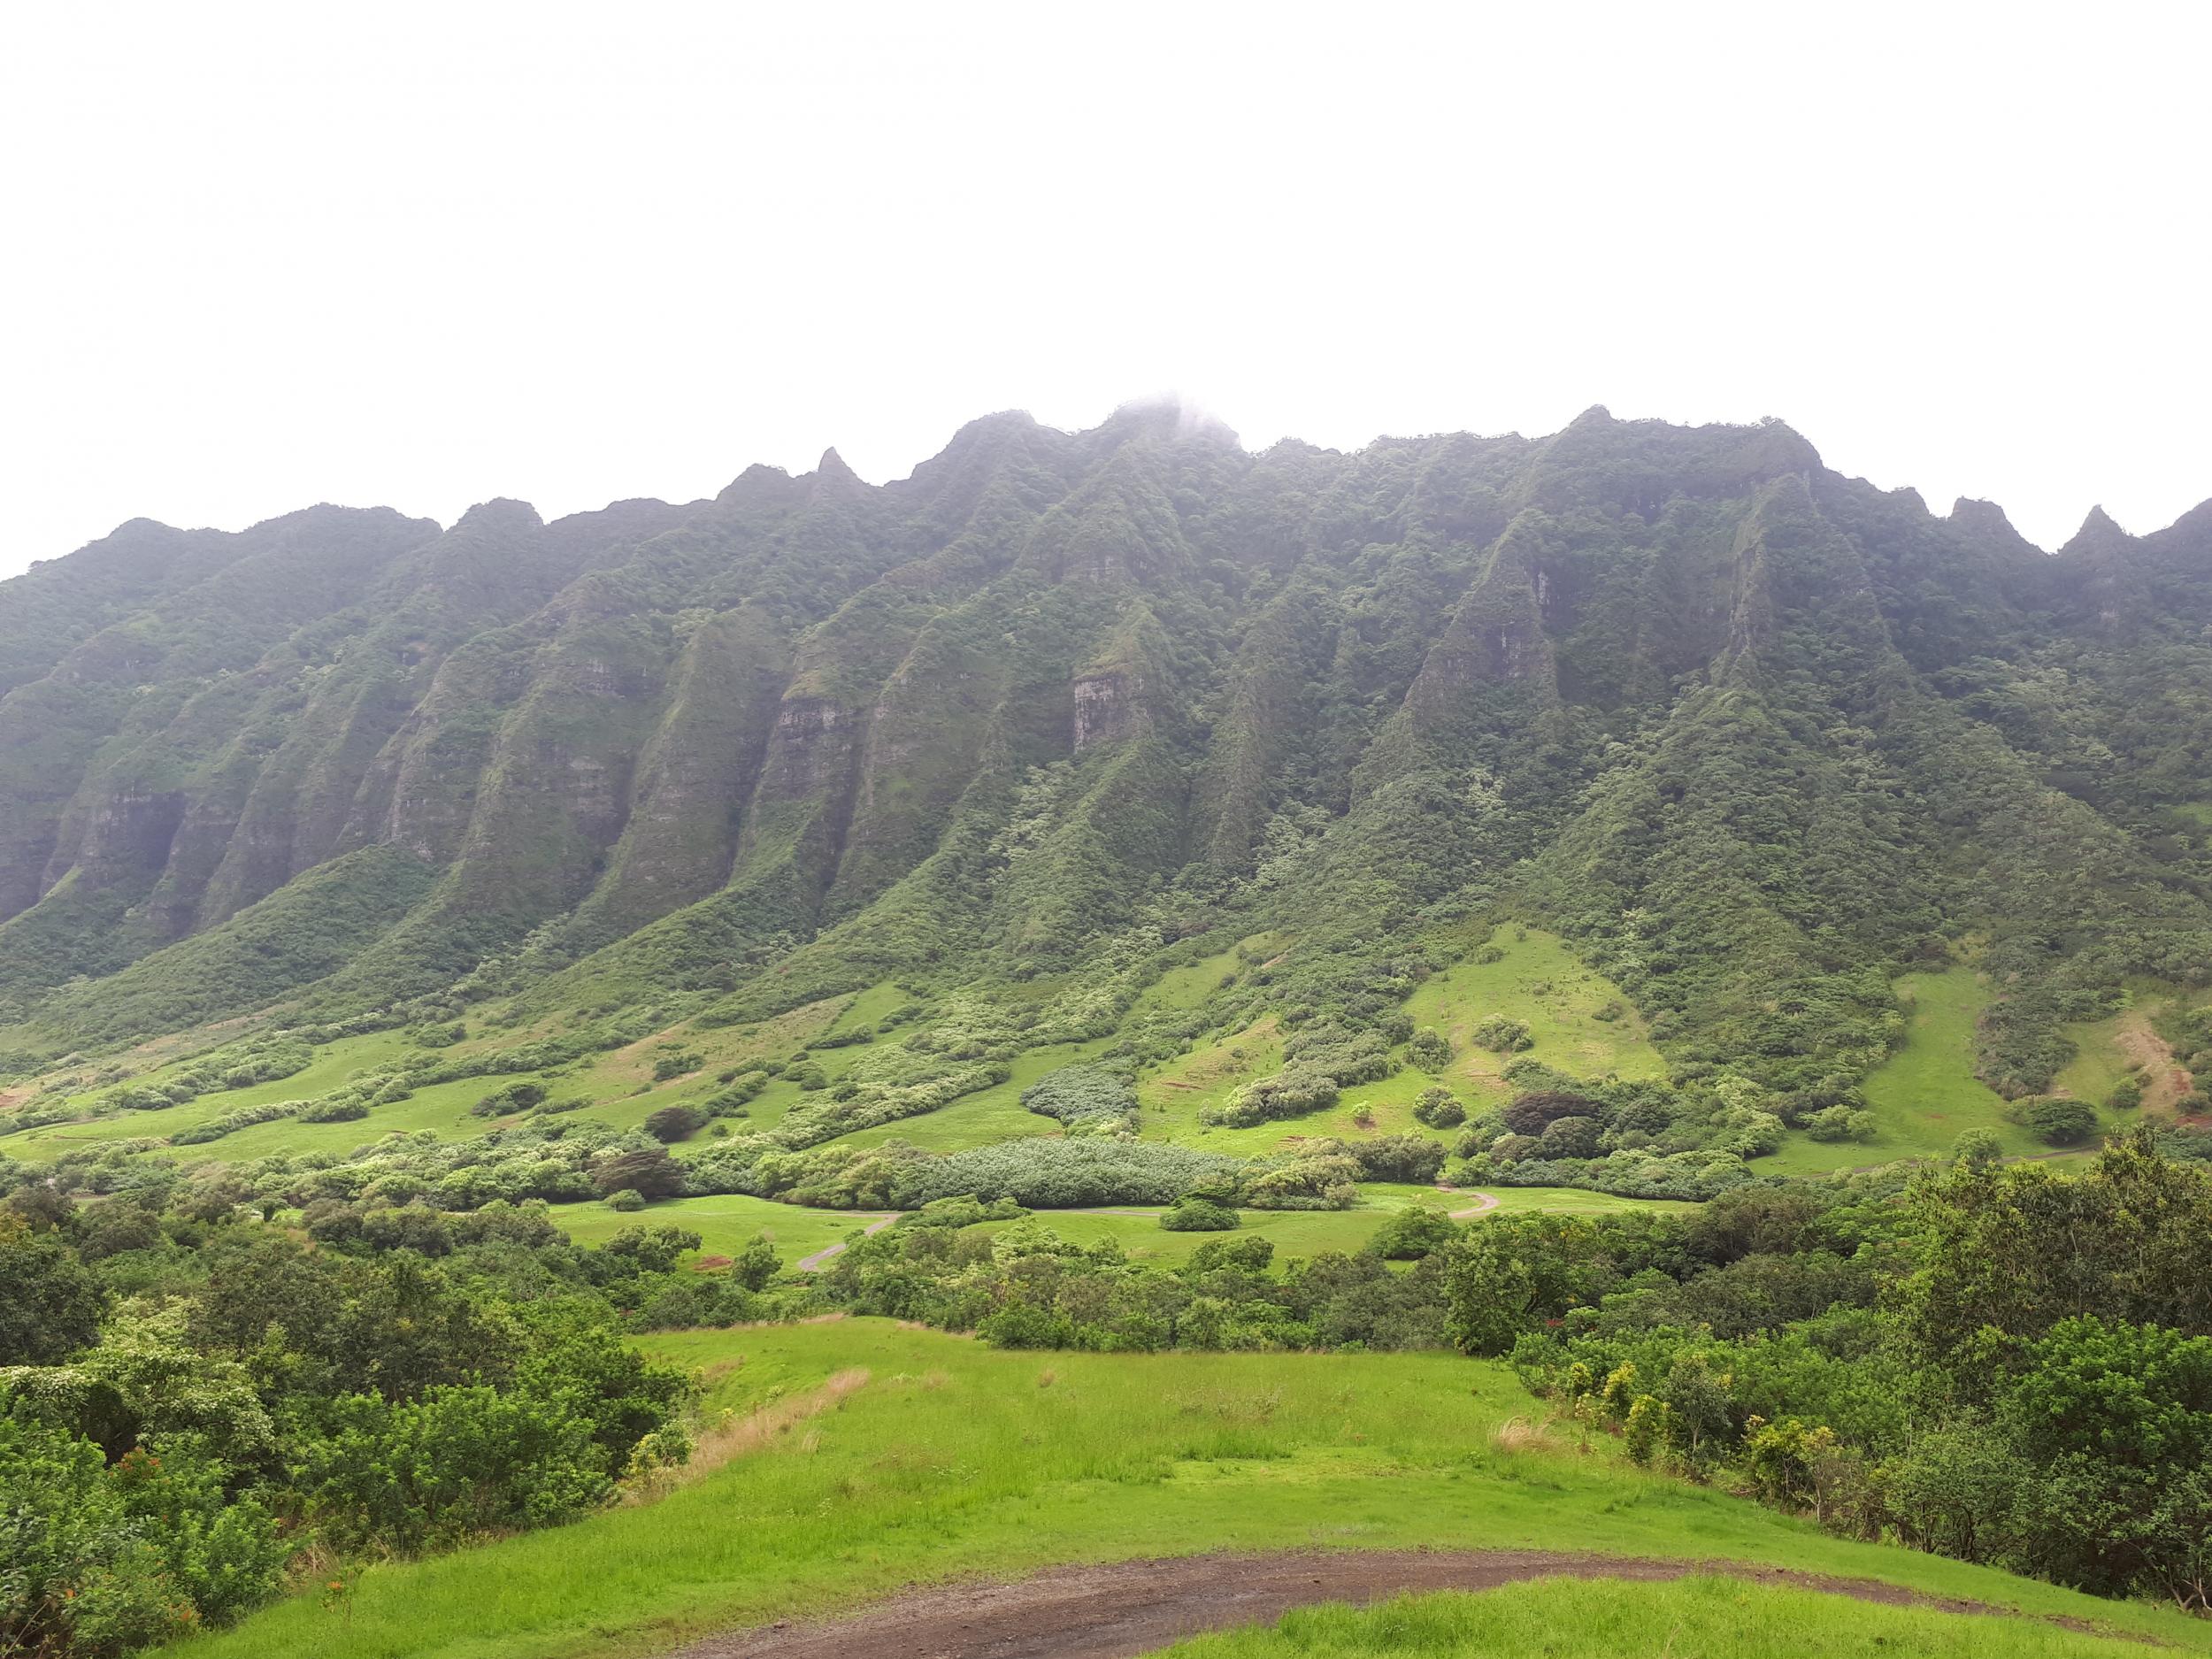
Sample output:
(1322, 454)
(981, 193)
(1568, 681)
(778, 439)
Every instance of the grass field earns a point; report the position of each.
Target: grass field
(1535, 978)
(952, 1459)
(1925, 1095)
(1304, 1233)
(1709, 1617)
(725, 1225)
(988, 1116)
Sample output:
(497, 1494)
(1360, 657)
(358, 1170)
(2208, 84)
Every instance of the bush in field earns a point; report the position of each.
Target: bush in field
(1429, 1050)
(1294, 1092)
(102, 1557)
(1412, 1234)
(1339, 1051)
(1439, 1108)
(1081, 1094)
(1840, 1123)
(1051, 1173)
(1530, 1113)
(2126, 1095)
(756, 1264)
(1198, 1215)
(653, 1174)
(1326, 1181)
(1408, 1158)
(2059, 1121)
(1571, 1137)
(671, 1123)
(1501, 1035)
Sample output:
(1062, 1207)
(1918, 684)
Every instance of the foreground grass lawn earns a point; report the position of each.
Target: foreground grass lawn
(1709, 1617)
(957, 1459)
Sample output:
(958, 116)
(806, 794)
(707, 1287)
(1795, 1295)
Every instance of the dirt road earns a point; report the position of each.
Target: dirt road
(1484, 1203)
(1130, 1607)
(815, 1262)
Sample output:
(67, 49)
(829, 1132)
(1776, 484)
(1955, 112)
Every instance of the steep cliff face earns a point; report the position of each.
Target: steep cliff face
(696, 775)
(1058, 685)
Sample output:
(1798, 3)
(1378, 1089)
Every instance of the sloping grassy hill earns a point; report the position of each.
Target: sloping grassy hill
(1712, 1617)
(1579, 1021)
(950, 1459)
(1926, 1095)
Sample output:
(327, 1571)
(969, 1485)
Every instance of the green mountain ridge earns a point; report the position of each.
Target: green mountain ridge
(1753, 736)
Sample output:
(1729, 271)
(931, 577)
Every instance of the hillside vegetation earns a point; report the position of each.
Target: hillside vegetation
(1635, 904)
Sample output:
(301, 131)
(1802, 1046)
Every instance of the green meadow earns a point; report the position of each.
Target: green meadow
(725, 1225)
(1925, 1095)
(1710, 1616)
(937, 1459)
(1579, 1021)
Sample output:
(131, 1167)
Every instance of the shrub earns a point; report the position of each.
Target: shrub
(650, 1172)
(1294, 1092)
(671, 1123)
(335, 1110)
(1840, 1123)
(1408, 1158)
(1571, 1137)
(627, 1200)
(1501, 1035)
(1439, 1108)
(1326, 1181)
(2059, 1121)
(1247, 1256)
(461, 1462)
(1428, 1050)
(1530, 1113)
(101, 1558)
(2126, 1095)
(1051, 1173)
(756, 1264)
(1077, 1093)
(1198, 1215)
(674, 1063)
(1413, 1233)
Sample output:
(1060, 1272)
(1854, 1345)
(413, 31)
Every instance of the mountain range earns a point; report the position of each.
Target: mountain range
(1753, 736)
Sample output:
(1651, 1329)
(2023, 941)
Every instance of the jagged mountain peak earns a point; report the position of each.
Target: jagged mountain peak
(2099, 533)
(1140, 634)
(501, 513)
(1970, 512)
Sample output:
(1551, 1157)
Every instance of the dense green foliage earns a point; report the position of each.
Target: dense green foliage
(2005, 1364)
(190, 1397)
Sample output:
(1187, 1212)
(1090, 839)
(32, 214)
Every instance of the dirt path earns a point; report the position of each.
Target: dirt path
(2165, 1078)
(1130, 1607)
(814, 1263)
(1484, 1203)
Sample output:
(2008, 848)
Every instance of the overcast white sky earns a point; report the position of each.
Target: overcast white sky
(257, 256)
